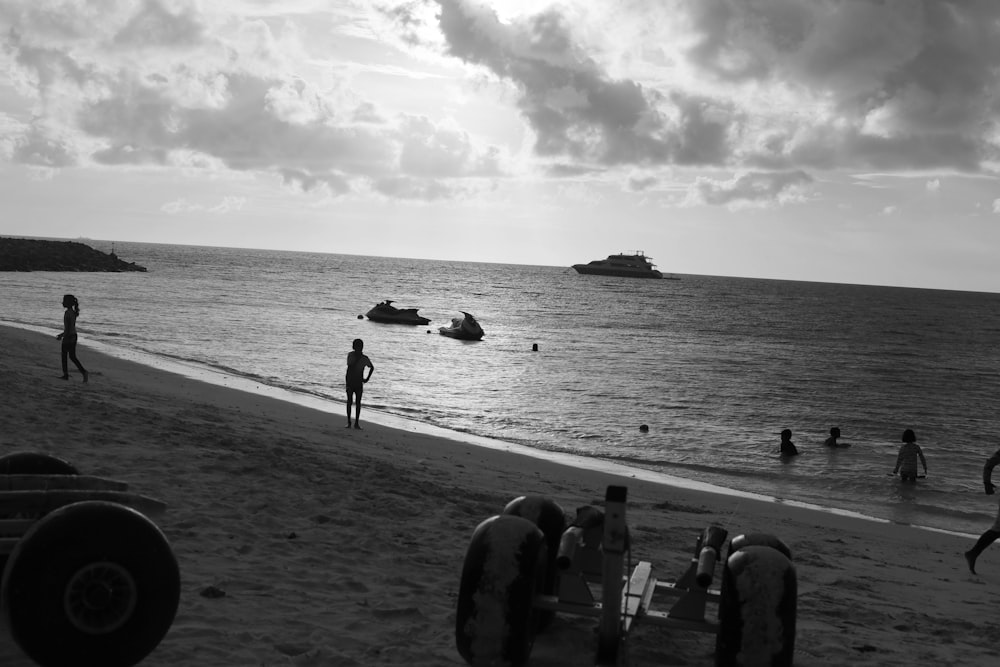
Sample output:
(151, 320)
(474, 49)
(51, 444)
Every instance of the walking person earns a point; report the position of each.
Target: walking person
(906, 460)
(356, 364)
(990, 536)
(68, 337)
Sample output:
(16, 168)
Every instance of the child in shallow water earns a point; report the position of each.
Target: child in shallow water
(906, 460)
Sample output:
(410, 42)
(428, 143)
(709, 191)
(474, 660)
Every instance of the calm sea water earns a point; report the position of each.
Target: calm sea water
(716, 367)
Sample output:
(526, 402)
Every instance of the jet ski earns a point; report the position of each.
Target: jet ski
(463, 328)
(387, 313)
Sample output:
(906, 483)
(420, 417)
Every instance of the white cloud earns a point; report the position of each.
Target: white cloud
(158, 83)
(755, 189)
(893, 85)
(226, 205)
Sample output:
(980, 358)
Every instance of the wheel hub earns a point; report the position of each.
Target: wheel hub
(100, 597)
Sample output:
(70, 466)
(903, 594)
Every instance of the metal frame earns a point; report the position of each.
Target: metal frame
(24, 499)
(591, 563)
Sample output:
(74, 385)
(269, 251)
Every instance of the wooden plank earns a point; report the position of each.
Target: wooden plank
(36, 482)
(640, 590)
(662, 619)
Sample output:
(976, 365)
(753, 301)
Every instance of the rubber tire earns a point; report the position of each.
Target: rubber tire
(760, 540)
(495, 622)
(115, 545)
(757, 608)
(35, 463)
(550, 518)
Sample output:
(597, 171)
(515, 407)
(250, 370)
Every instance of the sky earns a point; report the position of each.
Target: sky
(852, 141)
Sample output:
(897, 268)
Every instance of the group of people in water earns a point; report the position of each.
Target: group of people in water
(906, 460)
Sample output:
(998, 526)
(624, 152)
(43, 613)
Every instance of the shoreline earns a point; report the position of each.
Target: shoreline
(332, 546)
(221, 378)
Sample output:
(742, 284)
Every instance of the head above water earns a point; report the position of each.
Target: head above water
(358, 344)
(909, 436)
(786, 434)
(835, 432)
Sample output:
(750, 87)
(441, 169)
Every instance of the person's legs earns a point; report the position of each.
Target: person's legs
(350, 402)
(65, 367)
(985, 540)
(357, 406)
(71, 352)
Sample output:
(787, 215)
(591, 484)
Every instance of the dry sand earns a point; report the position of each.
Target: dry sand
(338, 547)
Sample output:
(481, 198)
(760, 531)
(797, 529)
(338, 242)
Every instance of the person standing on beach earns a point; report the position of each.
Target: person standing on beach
(68, 337)
(990, 536)
(787, 446)
(356, 364)
(906, 460)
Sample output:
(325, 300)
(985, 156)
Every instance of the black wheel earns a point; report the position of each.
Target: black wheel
(92, 583)
(757, 609)
(503, 571)
(549, 516)
(35, 463)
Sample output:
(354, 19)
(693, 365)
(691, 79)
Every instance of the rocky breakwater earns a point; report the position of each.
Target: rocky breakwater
(43, 255)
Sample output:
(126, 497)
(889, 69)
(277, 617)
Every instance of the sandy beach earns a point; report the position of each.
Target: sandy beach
(337, 547)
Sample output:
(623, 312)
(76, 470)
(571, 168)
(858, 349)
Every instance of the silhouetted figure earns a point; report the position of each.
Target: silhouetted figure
(832, 440)
(356, 364)
(906, 460)
(68, 337)
(990, 536)
(787, 446)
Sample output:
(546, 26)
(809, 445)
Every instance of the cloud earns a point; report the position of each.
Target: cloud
(770, 85)
(154, 26)
(574, 108)
(996, 205)
(227, 205)
(770, 91)
(149, 84)
(933, 186)
(750, 189)
(43, 147)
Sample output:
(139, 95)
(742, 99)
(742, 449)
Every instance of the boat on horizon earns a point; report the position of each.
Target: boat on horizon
(635, 265)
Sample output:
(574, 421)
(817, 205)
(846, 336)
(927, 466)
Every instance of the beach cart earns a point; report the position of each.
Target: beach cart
(526, 564)
(88, 578)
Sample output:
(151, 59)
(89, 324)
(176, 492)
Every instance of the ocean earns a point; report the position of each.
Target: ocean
(715, 367)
